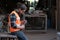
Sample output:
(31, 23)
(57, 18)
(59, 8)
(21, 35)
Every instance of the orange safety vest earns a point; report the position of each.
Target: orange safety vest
(18, 22)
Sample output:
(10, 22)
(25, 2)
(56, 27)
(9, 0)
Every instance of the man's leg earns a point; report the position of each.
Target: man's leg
(21, 35)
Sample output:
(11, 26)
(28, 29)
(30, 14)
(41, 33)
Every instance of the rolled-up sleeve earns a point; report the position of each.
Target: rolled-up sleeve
(13, 20)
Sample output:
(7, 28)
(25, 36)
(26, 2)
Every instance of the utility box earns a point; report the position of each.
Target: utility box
(36, 22)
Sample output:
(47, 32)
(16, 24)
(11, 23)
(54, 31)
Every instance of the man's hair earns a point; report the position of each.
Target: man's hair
(21, 6)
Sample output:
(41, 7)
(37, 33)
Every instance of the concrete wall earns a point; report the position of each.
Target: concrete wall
(58, 14)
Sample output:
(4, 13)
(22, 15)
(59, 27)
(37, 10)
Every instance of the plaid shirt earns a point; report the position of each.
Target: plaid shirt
(13, 20)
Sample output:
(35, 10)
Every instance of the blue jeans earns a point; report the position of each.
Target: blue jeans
(20, 35)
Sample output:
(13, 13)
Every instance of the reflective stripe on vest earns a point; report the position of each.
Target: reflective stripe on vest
(18, 22)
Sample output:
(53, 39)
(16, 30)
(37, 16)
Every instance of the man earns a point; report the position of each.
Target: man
(17, 22)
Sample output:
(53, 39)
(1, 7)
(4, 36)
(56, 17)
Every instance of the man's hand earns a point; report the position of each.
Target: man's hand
(23, 22)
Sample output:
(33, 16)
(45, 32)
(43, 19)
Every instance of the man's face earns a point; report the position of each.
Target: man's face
(21, 11)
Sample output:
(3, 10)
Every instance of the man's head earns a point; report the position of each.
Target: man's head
(21, 7)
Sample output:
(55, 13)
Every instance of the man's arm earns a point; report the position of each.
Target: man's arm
(13, 19)
(22, 19)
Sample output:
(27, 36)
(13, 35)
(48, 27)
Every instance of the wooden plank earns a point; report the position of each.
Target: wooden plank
(7, 37)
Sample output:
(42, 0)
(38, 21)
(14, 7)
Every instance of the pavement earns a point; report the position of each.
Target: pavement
(49, 35)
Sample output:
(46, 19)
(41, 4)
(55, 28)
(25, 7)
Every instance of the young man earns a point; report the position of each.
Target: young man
(17, 22)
